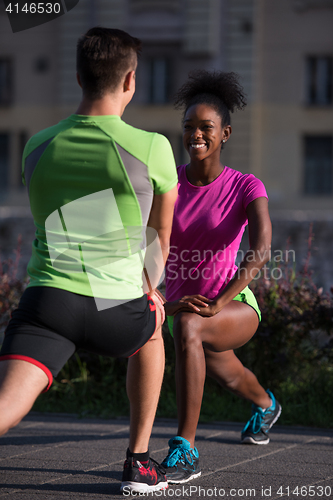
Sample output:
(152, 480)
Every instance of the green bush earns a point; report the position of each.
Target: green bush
(297, 318)
(11, 287)
(88, 385)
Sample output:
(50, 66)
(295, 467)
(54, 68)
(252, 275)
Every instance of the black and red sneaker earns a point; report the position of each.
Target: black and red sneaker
(141, 478)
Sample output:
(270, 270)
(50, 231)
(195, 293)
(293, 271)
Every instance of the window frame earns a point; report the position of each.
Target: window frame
(315, 95)
(7, 100)
(153, 84)
(4, 184)
(318, 168)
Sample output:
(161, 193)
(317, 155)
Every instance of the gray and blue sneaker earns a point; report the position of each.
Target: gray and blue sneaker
(256, 429)
(182, 462)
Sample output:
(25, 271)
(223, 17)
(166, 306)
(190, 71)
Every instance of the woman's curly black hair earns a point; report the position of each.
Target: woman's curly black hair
(220, 90)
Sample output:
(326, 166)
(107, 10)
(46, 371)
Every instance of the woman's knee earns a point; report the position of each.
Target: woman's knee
(187, 331)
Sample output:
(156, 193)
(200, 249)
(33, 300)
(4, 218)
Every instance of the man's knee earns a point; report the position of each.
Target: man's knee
(6, 424)
(21, 382)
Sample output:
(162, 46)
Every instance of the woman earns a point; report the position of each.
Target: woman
(210, 308)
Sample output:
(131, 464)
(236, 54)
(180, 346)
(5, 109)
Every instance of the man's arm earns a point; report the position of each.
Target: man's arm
(158, 237)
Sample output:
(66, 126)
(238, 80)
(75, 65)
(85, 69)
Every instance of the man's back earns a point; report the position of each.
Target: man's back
(95, 185)
(91, 182)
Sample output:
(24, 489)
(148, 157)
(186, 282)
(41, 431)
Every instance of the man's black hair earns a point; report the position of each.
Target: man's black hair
(104, 56)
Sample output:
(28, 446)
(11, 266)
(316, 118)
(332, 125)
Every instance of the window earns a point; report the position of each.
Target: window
(4, 161)
(42, 64)
(22, 140)
(304, 5)
(159, 80)
(6, 94)
(318, 165)
(142, 5)
(319, 80)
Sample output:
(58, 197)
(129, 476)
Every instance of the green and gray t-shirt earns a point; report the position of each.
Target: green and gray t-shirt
(91, 181)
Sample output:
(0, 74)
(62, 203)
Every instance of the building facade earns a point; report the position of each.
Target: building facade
(292, 102)
(282, 50)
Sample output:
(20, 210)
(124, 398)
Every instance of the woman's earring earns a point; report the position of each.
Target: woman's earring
(223, 140)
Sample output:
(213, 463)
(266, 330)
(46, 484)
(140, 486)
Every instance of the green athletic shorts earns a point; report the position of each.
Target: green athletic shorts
(246, 296)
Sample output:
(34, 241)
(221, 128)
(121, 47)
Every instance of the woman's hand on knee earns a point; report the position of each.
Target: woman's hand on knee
(210, 310)
(188, 303)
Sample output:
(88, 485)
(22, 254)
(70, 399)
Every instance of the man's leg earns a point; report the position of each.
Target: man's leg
(144, 380)
(20, 384)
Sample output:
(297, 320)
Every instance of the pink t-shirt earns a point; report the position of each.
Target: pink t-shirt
(208, 226)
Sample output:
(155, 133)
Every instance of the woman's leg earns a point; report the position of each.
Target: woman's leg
(230, 328)
(229, 372)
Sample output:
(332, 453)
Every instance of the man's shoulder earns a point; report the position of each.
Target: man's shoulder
(140, 143)
(45, 135)
(142, 134)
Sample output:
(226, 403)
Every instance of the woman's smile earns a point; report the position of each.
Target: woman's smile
(202, 133)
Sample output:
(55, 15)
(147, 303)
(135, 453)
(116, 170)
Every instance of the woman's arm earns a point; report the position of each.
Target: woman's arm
(260, 236)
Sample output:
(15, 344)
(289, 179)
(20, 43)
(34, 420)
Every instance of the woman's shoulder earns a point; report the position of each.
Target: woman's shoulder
(238, 175)
(241, 178)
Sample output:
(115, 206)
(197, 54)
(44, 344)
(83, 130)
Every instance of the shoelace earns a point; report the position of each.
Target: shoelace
(177, 455)
(255, 421)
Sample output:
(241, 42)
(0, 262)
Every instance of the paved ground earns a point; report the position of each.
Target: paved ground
(61, 457)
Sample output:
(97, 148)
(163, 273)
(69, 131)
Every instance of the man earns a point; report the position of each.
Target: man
(95, 184)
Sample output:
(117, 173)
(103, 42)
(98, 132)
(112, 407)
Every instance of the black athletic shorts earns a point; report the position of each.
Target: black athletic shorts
(50, 324)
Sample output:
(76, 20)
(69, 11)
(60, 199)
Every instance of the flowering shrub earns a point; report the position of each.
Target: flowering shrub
(297, 319)
(11, 287)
